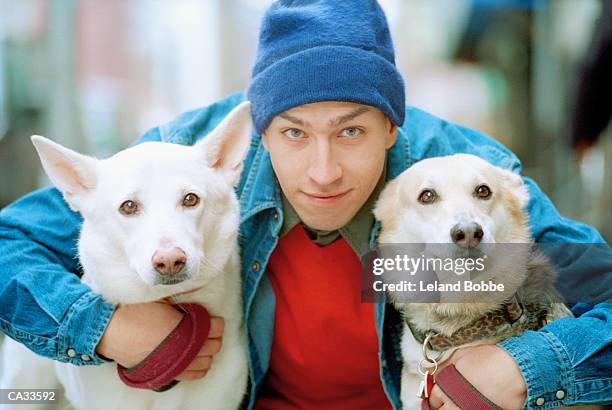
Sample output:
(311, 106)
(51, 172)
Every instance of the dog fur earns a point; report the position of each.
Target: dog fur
(404, 219)
(116, 253)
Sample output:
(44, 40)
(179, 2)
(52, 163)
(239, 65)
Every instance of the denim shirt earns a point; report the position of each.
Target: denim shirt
(44, 305)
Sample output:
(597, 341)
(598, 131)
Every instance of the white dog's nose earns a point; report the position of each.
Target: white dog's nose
(467, 235)
(169, 261)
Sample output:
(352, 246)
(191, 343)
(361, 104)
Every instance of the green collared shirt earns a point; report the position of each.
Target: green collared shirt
(356, 232)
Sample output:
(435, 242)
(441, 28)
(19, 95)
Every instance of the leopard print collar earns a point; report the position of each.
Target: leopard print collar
(511, 319)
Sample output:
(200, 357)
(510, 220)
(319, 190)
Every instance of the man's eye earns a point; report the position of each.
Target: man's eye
(351, 132)
(294, 133)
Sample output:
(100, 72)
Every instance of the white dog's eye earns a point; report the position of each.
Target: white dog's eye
(428, 196)
(483, 192)
(190, 200)
(128, 208)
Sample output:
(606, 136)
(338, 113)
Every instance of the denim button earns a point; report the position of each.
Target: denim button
(255, 266)
(71, 352)
(276, 216)
(540, 401)
(85, 358)
(560, 394)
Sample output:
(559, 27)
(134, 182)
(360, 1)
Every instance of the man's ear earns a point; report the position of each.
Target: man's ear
(227, 145)
(265, 140)
(72, 173)
(391, 134)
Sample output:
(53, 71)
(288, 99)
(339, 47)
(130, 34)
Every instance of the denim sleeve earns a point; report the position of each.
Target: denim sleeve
(43, 303)
(569, 361)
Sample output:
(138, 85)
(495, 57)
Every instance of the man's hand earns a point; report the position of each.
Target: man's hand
(136, 330)
(490, 370)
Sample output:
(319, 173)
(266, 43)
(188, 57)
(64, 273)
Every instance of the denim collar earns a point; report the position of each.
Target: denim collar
(261, 189)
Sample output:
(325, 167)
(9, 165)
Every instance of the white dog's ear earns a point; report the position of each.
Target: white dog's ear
(72, 173)
(516, 186)
(227, 145)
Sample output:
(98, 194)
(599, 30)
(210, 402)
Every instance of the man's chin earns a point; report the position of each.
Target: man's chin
(325, 218)
(328, 224)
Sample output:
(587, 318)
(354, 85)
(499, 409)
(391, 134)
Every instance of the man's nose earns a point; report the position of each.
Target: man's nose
(169, 261)
(324, 168)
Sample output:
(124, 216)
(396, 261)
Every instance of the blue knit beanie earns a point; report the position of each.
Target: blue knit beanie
(324, 50)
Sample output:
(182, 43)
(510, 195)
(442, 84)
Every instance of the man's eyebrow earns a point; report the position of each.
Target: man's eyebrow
(347, 117)
(292, 119)
(333, 122)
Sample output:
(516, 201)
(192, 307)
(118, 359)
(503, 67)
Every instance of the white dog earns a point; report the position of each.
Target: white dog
(466, 204)
(159, 220)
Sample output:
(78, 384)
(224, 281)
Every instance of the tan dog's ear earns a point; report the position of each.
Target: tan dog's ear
(388, 205)
(72, 173)
(227, 145)
(515, 185)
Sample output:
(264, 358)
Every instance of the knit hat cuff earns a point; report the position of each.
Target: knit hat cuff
(327, 73)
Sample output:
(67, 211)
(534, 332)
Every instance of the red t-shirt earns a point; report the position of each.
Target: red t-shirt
(325, 347)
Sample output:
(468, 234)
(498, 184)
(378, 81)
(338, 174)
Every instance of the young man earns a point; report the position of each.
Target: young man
(331, 128)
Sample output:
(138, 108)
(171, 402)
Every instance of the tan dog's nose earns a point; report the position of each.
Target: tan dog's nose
(169, 261)
(467, 235)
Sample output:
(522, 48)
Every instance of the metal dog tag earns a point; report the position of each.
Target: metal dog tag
(425, 386)
(427, 383)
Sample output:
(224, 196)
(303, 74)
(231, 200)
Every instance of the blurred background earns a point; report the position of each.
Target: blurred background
(535, 74)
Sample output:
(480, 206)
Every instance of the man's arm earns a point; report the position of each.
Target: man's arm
(573, 355)
(569, 361)
(43, 303)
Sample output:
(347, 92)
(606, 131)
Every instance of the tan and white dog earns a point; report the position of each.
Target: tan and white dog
(466, 204)
(159, 220)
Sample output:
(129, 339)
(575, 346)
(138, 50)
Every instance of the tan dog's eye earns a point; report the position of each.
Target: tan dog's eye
(128, 208)
(190, 200)
(428, 196)
(483, 192)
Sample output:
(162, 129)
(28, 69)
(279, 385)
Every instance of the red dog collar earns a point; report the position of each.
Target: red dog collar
(460, 391)
(158, 370)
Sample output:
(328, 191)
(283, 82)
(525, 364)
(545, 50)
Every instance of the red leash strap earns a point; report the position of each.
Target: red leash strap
(460, 391)
(158, 370)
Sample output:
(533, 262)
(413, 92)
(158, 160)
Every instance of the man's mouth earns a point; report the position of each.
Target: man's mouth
(326, 198)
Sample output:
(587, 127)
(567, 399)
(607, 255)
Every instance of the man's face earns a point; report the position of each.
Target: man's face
(328, 157)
